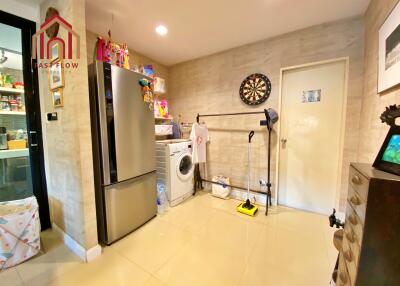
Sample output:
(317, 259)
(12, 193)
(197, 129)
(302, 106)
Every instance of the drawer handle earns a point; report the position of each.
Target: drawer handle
(353, 219)
(355, 200)
(348, 255)
(343, 277)
(351, 237)
(356, 180)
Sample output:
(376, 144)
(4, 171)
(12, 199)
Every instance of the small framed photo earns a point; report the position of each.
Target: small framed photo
(389, 51)
(58, 97)
(56, 75)
(55, 52)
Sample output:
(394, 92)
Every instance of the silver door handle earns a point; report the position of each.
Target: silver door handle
(33, 133)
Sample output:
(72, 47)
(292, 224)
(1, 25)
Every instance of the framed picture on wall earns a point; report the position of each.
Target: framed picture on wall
(56, 75)
(389, 51)
(56, 52)
(58, 97)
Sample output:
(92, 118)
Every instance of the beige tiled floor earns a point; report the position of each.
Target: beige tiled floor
(203, 241)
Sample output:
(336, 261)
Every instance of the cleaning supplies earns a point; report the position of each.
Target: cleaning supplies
(161, 199)
(247, 207)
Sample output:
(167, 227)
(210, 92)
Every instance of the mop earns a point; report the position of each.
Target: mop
(247, 207)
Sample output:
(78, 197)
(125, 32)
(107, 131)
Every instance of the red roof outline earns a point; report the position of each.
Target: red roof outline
(55, 19)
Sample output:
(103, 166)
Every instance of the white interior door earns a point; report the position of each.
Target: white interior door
(311, 126)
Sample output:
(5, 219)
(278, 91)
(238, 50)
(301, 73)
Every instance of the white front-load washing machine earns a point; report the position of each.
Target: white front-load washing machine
(175, 169)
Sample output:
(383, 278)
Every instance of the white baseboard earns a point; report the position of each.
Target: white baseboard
(75, 247)
(242, 195)
(260, 199)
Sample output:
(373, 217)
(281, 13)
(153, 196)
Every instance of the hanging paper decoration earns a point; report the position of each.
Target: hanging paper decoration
(103, 50)
(147, 90)
(126, 57)
(112, 53)
(99, 49)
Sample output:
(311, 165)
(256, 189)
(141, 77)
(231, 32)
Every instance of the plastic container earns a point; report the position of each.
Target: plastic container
(16, 144)
(162, 130)
(5, 106)
(162, 201)
(14, 105)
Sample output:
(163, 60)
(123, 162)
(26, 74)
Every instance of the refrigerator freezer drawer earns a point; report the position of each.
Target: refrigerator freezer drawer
(130, 204)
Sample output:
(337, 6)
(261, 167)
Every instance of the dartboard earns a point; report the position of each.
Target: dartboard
(255, 89)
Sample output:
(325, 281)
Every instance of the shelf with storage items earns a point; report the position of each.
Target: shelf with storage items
(163, 118)
(12, 112)
(163, 124)
(12, 102)
(14, 153)
(11, 90)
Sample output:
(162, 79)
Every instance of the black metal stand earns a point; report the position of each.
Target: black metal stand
(269, 185)
(198, 182)
(267, 122)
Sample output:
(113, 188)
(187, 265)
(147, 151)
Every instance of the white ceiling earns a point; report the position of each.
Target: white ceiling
(10, 39)
(32, 3)
(203, 27)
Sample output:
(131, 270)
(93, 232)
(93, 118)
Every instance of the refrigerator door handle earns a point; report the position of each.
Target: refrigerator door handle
(101, 102)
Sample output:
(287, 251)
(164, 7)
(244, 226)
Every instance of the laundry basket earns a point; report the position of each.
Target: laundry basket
(19, 231)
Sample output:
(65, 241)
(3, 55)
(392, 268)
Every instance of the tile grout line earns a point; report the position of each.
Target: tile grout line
(250, 254)
(20, 277)
(163, 264)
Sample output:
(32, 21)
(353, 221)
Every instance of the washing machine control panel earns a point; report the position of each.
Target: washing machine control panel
(180, 147)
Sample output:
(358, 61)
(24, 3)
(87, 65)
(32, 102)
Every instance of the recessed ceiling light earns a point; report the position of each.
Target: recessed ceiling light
(161, 30)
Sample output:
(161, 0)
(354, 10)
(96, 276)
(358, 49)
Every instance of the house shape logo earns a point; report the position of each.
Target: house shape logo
(56, 40)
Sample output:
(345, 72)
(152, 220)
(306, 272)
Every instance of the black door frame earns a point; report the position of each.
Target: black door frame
(33, 114)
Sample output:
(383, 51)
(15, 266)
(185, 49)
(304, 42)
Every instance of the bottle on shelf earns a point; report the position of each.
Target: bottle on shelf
(13, 105)
(3, 138)
(4, 104)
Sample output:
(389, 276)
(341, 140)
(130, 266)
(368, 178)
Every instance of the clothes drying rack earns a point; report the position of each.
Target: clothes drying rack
(198, 180)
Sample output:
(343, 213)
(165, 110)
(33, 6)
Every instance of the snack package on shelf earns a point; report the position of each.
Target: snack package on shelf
(148, 70)
(159, 85)
(19, 85)
(161, 108)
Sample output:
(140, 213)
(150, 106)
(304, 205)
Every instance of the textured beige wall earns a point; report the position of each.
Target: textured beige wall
(135, 58)
(372, 131)
(67, 142)
(211, 84)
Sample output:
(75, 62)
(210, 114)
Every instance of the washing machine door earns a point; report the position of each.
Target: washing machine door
(184, 167)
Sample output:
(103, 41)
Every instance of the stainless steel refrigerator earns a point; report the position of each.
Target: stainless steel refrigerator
(123, 151)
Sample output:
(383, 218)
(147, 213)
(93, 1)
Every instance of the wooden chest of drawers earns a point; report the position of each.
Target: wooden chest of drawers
(370, 254)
